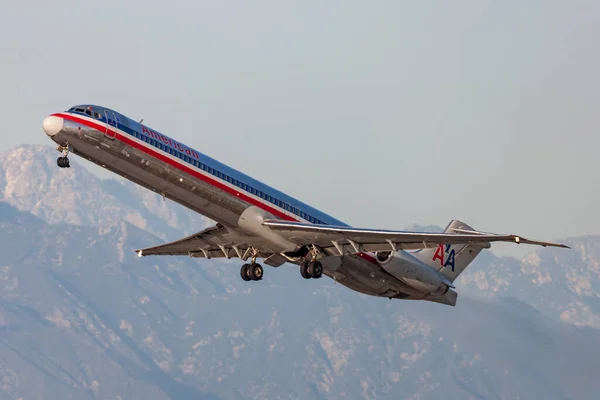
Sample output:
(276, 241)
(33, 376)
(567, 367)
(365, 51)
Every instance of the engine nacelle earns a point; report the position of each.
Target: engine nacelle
(412, 271)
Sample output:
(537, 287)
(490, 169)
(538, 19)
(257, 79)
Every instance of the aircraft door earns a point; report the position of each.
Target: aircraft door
(111, 124)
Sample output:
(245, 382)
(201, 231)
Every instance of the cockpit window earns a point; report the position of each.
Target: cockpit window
(95, 112)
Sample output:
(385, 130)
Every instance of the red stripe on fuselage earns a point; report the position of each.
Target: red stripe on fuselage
(185, 168)
(182, 167)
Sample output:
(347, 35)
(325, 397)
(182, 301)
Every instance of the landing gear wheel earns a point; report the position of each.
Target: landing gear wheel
(63, 162)
(315, 269)
(244, 272)
(251, 272)
(255, 271)
(304, 270)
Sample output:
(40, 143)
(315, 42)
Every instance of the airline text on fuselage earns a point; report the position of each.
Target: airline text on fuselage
(170, 142)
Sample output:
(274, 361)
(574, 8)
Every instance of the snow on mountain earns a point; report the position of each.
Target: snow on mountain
(31, 181)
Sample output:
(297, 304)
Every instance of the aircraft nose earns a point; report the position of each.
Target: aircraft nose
(52, 125)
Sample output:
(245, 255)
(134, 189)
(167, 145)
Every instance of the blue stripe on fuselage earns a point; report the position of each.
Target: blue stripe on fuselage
(267, 193)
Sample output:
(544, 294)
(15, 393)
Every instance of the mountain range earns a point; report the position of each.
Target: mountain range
(81, 316)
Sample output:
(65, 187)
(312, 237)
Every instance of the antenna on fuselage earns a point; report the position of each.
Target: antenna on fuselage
(141, 120)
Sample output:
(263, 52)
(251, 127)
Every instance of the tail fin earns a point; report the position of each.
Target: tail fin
(451, 260)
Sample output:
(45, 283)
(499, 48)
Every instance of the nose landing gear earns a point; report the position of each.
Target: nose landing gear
(63, 162)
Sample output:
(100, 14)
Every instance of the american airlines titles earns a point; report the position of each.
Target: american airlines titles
(170, 142)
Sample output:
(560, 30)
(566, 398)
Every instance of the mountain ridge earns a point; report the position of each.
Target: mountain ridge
(81, 316)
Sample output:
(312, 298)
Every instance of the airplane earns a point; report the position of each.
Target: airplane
(255, 221)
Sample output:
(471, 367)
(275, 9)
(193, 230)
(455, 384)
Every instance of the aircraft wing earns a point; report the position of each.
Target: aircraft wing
(214, 242)
(346, 240)
(220, 242)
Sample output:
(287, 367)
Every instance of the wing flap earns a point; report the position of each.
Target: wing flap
(213, 242)
(354, 240)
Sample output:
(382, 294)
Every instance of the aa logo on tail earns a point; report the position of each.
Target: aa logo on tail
(441, 252)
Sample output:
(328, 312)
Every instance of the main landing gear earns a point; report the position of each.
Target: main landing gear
(251, 272)
(312, 269)
(63, 162)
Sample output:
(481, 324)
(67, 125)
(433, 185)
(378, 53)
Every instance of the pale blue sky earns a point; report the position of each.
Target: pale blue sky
(381, 113)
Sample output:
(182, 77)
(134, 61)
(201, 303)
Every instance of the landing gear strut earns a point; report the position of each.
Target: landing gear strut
(312, 269)
(63, 162)
(251, 272)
